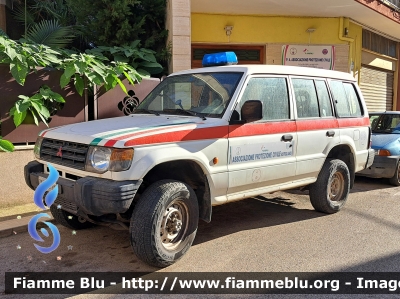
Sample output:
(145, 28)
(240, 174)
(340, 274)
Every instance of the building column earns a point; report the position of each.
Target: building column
(179, 34)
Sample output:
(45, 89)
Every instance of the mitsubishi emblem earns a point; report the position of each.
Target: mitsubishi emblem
(59, 153)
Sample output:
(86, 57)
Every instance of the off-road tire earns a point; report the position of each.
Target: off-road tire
(395, 179)
(63, 217)
(329, 193)
(164, 223)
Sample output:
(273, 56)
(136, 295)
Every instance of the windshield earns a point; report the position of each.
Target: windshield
(201, 94)
(385, 123)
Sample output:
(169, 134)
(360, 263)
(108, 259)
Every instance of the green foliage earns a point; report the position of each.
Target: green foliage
(52, 9)
(143, 60)
(35, 105)
(24, 57)
(93, 66)
(118, 23)
(106, 22)
(6, 145)
(47, 22)
(50, 33)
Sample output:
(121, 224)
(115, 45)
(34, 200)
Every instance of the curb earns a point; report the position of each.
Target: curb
(15, 225)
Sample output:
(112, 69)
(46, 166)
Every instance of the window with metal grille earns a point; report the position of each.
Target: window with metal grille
(379, 44)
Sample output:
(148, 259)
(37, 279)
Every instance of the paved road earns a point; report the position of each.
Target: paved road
(278, 232)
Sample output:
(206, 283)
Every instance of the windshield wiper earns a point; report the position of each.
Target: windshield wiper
(147, 110)
(193, 113)
(187, 112)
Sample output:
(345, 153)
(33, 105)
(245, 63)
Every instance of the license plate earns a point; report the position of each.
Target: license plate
(42, 179)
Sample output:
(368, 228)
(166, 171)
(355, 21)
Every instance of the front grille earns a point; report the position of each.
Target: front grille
(65, 153)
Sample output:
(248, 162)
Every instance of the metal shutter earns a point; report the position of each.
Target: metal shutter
(377, 88)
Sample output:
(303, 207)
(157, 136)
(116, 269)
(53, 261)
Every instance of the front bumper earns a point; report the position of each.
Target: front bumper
(87, 195)
(383, 167)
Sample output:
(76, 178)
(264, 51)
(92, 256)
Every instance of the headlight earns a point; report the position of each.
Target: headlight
(98, 159)
(102, 159)
(38, 145)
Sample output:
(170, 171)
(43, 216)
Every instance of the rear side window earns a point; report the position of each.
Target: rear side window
(354, 103)
(306, 98)
(346, 99)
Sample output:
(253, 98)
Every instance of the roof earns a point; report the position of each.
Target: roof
(272, 69)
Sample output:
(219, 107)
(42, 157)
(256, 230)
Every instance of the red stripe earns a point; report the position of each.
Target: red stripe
(353, 122)
(252, 129)
(310, 125)
(184, 135)
(110, 143)
(113, 141)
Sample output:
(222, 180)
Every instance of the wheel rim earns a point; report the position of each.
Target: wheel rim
(174, 224)
(336, 187)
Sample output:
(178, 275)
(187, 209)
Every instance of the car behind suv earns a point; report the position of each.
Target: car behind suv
(386, 143)
(205, 137)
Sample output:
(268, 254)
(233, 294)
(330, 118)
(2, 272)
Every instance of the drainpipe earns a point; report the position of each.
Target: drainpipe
(350, 40)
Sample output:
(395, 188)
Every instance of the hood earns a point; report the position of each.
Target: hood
(381, 140)
(139, 130)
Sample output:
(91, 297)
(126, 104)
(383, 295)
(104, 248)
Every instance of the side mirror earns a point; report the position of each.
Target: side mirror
(252, 111)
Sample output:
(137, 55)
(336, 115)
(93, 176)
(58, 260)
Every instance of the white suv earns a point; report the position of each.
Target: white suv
(205, 137)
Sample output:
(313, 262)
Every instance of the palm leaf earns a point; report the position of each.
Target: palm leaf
(19, 16)
(55, 9)
(50, 33)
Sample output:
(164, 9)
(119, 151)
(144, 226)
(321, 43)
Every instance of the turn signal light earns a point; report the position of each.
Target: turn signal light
(384, 153)
(121, 154)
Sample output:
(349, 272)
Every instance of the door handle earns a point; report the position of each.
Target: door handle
(287, 138)
(330, 133)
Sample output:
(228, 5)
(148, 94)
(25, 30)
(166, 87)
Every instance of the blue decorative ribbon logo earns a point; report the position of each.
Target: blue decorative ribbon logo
(38, 200)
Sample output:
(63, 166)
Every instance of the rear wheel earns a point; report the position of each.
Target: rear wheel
(395, 180)
(329, 193)
(69, 220)
(164, 223)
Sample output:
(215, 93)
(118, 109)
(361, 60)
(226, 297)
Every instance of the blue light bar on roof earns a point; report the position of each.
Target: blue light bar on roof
(223, 58)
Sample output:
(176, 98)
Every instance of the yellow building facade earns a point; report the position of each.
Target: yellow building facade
(272, 32)
(268, 34)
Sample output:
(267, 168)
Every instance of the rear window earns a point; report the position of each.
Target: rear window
(385, 123)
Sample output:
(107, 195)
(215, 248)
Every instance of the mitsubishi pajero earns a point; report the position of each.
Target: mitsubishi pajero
(205, 137)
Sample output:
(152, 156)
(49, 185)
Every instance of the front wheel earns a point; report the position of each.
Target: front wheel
(395, 180)
(164, 223)
(329, 193)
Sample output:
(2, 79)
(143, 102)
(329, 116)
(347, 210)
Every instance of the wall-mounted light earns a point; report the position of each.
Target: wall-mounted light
(228, 30)
(310, 30)
(346, 31)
